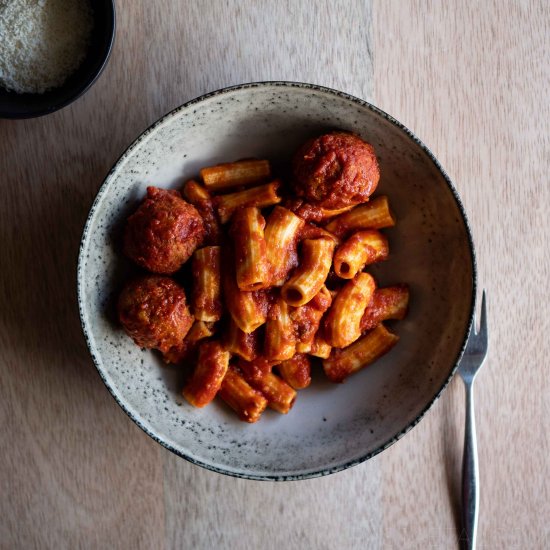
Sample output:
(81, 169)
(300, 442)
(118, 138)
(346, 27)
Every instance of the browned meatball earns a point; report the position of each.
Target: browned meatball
(153, 311)
(335, 170)
(163, 232)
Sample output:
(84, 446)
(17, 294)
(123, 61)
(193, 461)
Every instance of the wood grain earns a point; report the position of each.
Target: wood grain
(472, 80)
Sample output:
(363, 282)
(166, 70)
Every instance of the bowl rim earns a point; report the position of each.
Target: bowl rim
(81, 90)
(322, 471)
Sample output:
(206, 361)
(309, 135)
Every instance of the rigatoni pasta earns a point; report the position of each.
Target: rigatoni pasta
(249, 249)
(281, 237)
(361, 249)
(261, 196)
(277, 288)
(199, 331)
(375, 214)
(342, 325)
(209, 373)
(320, 347)
(240, 343)
(296, 372)
(280, 396)
(343, 362)
(201, 199)
(206, 265)
(233, 174)
(307, 319)
(387, 303)
(247, 402)
(280, 335)
(312, 231)
(247, 309)
(328, 213)
(311, 274)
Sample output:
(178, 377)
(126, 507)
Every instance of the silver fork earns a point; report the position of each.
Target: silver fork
(472, 360)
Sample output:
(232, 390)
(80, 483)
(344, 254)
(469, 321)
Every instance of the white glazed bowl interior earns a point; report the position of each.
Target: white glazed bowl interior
(331, 426)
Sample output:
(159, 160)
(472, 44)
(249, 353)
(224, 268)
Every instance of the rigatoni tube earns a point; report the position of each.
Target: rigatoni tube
(361, 249)
(233, 174)
(206, 296)
(375, 214)
(320, 347)
(296, 372)
(209, 373)
(342, 325)
(311, 274)
(281, 237)
(240, 343)
(363, 352)
(247, 309)
(308, 317)
(280, 339)
(280, 396)
(387, 303)
(248, 403)
(200, 198)
(263, 195)
(247, 233)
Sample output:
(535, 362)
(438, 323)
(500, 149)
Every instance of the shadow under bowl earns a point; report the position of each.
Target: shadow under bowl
(16, 106)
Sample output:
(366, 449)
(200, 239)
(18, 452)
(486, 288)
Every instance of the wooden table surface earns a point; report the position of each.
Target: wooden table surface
(472, 80)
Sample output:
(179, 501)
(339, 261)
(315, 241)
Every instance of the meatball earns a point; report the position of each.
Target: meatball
(153, 311)
(164, 231)
(335, 170)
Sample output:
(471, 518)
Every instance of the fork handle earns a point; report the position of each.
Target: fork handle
(470, 473)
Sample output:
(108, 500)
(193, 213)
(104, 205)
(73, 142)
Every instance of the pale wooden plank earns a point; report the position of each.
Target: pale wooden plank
(198, 47)
(472, 80)
(206, 510)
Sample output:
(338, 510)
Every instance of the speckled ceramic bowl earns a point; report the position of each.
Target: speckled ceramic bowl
(331, 427)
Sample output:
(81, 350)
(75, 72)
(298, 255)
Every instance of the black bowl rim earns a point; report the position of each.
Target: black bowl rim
(81, 90)
(393, 438)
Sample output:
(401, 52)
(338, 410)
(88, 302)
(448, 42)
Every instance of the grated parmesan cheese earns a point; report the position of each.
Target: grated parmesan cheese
(42, 42)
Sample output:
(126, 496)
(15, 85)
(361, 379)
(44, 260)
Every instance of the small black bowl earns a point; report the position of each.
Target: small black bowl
(14, 105)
